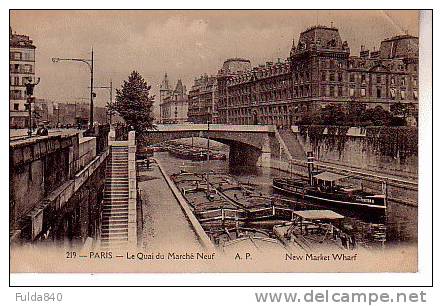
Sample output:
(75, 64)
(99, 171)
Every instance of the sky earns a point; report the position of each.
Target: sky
(185, 44)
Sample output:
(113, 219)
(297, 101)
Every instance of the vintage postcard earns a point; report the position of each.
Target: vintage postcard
(214, 141)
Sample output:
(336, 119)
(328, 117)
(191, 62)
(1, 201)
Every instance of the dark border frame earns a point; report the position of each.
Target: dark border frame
(259, 286)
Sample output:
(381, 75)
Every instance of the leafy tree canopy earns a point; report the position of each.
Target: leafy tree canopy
(134, 104)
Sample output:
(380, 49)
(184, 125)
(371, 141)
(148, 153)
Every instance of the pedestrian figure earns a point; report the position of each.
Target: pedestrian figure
(42, 130)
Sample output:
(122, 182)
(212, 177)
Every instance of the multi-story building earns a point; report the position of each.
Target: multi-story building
(231, 67)
(387, 76)
(173, 103)
(318, 66)
(257, 95)
(21, 69)
(43, 110)
(319, 71)
(203, 97)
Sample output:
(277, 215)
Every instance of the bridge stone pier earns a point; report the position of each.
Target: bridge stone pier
(250, 145)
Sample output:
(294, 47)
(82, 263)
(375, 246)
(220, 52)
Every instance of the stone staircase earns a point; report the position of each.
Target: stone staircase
(292, 144)
(115, 213)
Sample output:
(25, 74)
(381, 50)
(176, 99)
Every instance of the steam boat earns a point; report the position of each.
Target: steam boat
(327, 188)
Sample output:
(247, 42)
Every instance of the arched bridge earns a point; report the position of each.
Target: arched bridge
(250, 145)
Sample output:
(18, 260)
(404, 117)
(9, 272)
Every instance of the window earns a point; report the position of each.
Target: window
(16, 56)
(392, 80)
(339, 91)
(332, 91)
(16, 81)
(15, 94)
(393, 93)
(324, 76)
(352, 77)
(403, 81)
(24, 80)
(323, 91)
(415, 96)
(26, 106)
(378, 92)
(28, 56)
(332, 76)
(363, 78)
(402, 94)
(362, 92)
(27, 68)
(352, 92)
(340, 76)
(378, 78)
(16, 106)
(414, 81)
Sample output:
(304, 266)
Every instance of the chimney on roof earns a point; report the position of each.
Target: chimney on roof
(364, 53)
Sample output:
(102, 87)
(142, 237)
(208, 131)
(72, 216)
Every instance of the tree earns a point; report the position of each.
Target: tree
(399, 109)
(354, 112)
(376, 116)
(134, 104)
(332, 115)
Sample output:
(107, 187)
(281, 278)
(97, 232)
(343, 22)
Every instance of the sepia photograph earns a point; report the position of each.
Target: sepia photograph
(214, 141)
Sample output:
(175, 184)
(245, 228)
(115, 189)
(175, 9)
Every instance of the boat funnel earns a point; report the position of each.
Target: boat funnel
(310, 165)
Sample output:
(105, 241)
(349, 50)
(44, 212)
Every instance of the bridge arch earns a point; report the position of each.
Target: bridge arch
(249, 145)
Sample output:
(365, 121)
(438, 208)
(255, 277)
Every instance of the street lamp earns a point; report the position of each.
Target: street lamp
(90, 64)
(110, 99)
(29, 92)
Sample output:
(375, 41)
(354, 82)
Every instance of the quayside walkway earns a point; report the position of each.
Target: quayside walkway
(165, 225)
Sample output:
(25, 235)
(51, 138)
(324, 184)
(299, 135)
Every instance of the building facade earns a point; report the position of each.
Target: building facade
(258, 95)
(203, 97)
(173, 103)
(67, 114)
(319, 71)
(21, 69)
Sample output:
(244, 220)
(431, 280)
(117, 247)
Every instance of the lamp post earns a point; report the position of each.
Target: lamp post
(29, 92)
(110, 98)
(90, 63)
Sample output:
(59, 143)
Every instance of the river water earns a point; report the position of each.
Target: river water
(400, 224)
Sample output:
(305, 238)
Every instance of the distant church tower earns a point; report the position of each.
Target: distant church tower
(180, 90)
(165, 89)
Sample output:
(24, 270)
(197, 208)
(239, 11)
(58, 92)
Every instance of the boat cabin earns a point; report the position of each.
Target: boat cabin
(320, 226)
(327, 181)
(307, 218)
